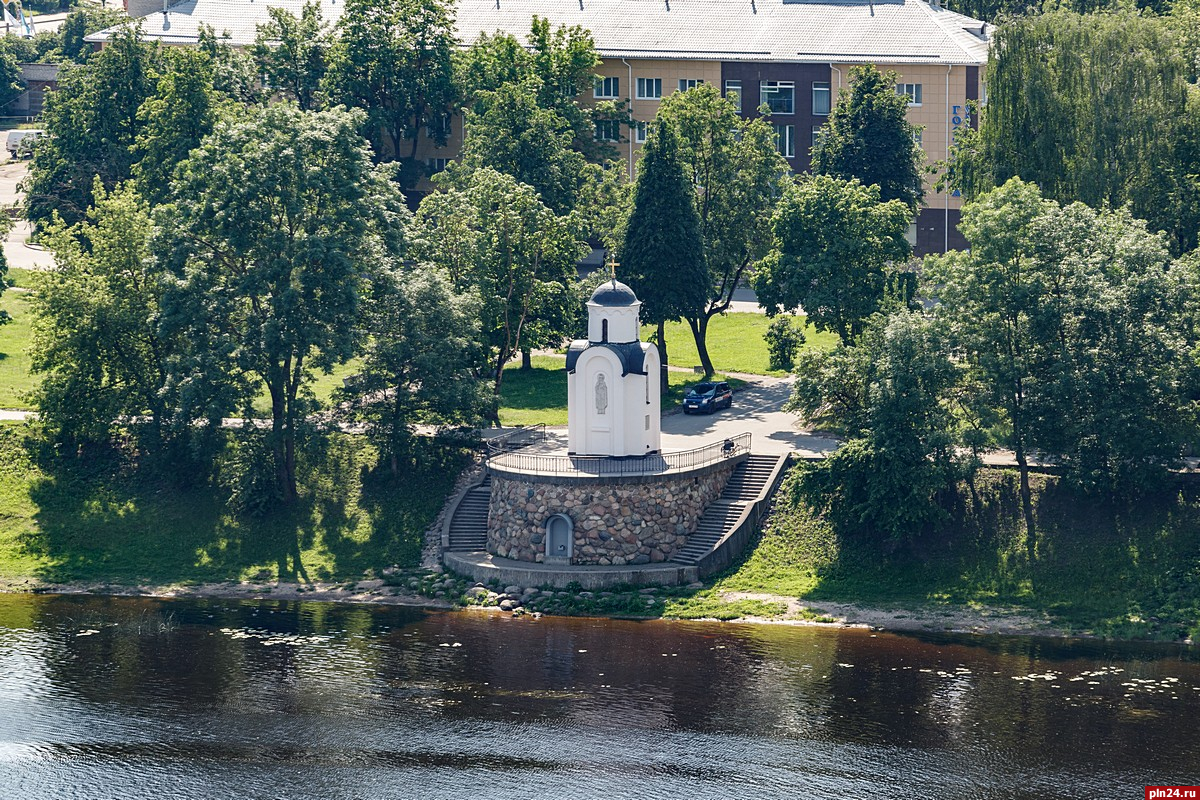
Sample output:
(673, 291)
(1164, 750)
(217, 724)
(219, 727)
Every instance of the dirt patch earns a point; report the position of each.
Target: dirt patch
(942, 619)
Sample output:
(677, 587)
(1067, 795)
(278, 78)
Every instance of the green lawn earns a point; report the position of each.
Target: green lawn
(735, 343)
(539, 395)
(1095, 567)
(107, 520)
(15, 378)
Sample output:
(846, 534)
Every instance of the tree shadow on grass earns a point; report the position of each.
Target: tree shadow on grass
(399, 507)
(101, 518)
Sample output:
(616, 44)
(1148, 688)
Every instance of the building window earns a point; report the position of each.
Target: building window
(820, 92)
(689, 83)
(912, 90)
(733, 91)
(640, 131)
(439, 126)
(779, 96)
(816, 134)
(785, 140)
(917, 136)
(607, 88)
(649, 88)
(437, 165)
(608, 130)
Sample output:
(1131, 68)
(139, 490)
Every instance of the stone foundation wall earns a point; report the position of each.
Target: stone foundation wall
(617, 521)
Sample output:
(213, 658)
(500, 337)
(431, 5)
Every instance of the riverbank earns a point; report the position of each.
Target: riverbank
(421, 591)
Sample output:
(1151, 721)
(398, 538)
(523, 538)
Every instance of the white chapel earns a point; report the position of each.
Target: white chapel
(613, 380)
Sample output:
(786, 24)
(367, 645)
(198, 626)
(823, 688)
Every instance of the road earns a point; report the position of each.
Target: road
(18, 253)
(757, 410)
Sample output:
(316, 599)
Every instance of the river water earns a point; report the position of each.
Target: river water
(135, 698)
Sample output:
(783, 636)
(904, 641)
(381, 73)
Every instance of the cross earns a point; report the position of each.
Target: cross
(612, 265)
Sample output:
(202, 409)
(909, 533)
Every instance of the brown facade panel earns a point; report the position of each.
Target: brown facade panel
(931, 231)
(752, 75)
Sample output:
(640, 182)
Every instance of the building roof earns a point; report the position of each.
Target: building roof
(814, 31)
(614, 294)
(632, 355)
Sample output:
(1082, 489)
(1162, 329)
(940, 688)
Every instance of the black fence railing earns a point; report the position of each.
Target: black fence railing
(543, 464)
(517, 438)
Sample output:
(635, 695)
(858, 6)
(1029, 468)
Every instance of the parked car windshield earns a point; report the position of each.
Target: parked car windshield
(704, 388)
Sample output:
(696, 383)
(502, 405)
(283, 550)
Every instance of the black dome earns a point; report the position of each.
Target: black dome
(613, 293)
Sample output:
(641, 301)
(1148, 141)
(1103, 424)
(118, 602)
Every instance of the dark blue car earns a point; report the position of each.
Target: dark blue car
(707, 398)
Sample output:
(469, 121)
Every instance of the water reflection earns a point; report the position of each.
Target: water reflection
(137, 698)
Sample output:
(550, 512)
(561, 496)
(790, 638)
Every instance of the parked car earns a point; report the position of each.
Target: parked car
(708, 397)
(19, 143)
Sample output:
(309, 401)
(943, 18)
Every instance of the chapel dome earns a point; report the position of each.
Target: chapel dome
(613, 293)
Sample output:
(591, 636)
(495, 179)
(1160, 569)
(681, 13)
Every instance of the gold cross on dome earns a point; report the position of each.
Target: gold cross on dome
(612, 265)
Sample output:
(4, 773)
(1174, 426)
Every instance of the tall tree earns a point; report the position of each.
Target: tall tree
(278, 220)
(663, 252)
(292, 53)
(173, 121)
(1078, 326)
(422, 362)
(78, 24)
(836, 247)
(393, 60)
(738, 175)
(869, 137)
(887, 479)
(497, 240)
(1095, 108)
(96, 340)
(93, 123)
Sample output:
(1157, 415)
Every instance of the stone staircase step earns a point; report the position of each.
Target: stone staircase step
(743, 488)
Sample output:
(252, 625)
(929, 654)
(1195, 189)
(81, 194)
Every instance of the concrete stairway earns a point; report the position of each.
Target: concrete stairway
(468, 524)
(746, 486)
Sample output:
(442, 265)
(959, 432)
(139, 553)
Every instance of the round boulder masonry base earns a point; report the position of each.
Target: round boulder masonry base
(617, 520)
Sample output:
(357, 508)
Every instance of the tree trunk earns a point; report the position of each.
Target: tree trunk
(1026, 502)
(664, 381)
(526, 360)
(699, 326)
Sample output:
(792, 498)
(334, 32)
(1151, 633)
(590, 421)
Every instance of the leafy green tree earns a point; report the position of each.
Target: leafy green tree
(784, 339)
(12, 86)
(869, 137)
(835, 249)
(987, 296)
(737, 175)
(291, 53)
(277, 223)
(663, 252)
(96, 345)
(393, 60)
(1095, 108)
(423, 361)
(80, 23)
(234, 71)
(173, 121)
(1077, 327)
(900, 460)
(93, 123)
(499, 242)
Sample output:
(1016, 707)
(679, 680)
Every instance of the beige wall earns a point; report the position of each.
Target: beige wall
(670, 71)
(935, 114)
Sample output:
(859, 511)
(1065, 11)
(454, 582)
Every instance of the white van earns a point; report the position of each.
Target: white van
(13, 142)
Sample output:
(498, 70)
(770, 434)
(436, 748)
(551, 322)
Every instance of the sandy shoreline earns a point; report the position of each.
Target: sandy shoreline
(926, 619)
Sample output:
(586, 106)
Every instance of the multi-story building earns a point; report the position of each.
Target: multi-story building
(792, 57)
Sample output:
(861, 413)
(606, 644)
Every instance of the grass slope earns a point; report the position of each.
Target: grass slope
(1100, 568)
(15, 378)
(105, 520)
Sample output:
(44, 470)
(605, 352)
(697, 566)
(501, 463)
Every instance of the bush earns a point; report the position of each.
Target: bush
(784, 339)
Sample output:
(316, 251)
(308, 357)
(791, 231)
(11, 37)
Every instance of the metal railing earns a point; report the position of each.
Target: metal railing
(517, 438)
(543, 464)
